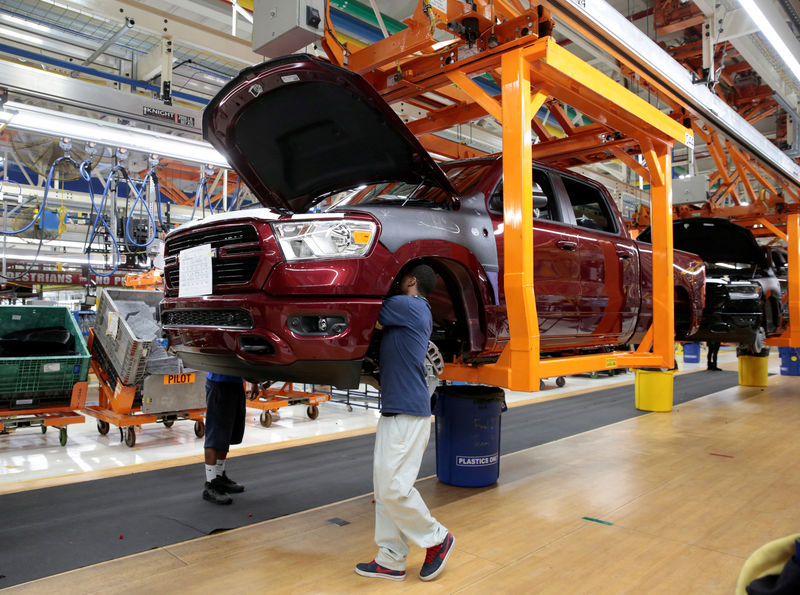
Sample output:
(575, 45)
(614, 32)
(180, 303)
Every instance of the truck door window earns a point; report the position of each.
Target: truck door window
(589, 206)
(541, 192)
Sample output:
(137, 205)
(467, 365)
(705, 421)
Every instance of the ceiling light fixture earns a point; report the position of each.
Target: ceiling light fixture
(24, 37)
(762, 22)
(23, 23)
(43, 121)
(29, 256)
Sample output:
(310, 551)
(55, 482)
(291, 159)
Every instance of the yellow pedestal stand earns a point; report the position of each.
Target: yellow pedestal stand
(753, 370)
(654, 390)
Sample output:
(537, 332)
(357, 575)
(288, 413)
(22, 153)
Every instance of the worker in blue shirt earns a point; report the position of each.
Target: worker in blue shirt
(402, 436)
(225, 413)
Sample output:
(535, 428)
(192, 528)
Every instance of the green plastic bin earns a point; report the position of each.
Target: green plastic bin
(40, 382)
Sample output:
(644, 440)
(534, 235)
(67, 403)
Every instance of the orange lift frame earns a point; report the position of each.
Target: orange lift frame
(532, 70)
(529, 76)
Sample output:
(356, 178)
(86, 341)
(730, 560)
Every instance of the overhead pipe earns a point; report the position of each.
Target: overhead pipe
(124, 80)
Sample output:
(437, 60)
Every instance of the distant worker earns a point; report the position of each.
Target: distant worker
(402, 435)
(225, 413)
(713, 350)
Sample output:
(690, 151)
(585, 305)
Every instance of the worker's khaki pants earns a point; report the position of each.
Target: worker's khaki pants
(400, 513)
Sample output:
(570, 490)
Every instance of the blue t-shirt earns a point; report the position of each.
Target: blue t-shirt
(407, 325)
(222, 377)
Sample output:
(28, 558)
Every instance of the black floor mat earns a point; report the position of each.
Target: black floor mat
(52, 530)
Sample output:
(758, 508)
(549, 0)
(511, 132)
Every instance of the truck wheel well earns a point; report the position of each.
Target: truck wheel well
(455, 306)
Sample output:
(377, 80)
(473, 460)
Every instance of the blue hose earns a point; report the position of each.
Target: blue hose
(202, 185)
(40, 213)
(140, 192)
(86, 175)
(232, 202)
(158, 197)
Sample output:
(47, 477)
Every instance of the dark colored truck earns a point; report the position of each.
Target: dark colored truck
(293, 295)
(743, 294)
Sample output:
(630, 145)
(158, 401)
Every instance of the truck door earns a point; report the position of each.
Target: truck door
(555, 262)
(610, 292)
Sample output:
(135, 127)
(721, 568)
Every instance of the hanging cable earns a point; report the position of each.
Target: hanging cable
(141, 194)
(152, 174)
(198, 197)
(39, 215)
(86, 175)
(234, 198)
(40, 212)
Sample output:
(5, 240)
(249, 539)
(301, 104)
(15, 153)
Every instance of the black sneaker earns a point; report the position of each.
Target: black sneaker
(375, 570)
(228, 485)
(436, 557)
(213, 493)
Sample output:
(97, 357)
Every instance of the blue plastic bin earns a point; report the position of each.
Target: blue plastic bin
(468, 434)
(790, 361)
(85, 320)
(691, 353)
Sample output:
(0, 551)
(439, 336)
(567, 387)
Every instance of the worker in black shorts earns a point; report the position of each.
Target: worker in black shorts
(225, 413)
(713, 351)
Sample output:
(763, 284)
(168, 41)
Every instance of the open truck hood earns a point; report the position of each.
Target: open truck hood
(717, 240)
(297, 128)
(713, 240)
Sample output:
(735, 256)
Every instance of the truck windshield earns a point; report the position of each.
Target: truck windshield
(464, 177)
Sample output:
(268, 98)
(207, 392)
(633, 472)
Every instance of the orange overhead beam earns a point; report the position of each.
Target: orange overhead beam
(486, 101)
(630, 162)
(447, 118)
(449, 148)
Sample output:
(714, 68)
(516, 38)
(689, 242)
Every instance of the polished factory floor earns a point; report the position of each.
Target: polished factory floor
(661, 503)
(31, 459)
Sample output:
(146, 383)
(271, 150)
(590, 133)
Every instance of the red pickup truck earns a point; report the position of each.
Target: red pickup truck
(291, 292)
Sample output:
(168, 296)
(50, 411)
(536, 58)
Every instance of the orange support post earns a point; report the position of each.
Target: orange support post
(791, 336)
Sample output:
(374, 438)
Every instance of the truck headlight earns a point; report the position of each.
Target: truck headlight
(327, 238)
(744, 292)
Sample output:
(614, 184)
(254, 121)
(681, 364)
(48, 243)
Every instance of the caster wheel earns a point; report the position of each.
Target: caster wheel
(312, 411)
(541, 384)
(44, 429)
(349, 408)
(265, 418)
(62, 436)
(560, 381)
(168, 423)
(199, 429)
(130, 436)
(102, 427)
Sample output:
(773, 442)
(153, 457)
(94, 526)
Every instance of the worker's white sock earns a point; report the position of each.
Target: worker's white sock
(220, 467)
(211, 472)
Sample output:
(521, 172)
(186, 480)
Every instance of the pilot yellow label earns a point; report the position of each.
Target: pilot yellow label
(178, 378)
(611, 362)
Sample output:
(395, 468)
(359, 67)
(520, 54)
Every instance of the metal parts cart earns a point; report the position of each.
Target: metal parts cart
(269, 400)
(129, 396)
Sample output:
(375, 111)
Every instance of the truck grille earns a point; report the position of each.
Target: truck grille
(240, 270)
(205, 317)
(217, 237)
